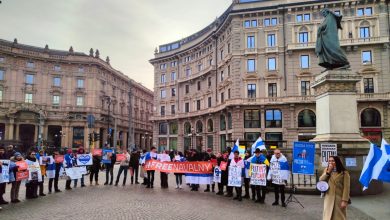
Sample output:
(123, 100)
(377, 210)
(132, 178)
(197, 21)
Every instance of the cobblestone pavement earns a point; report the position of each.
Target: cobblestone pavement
(136, 202)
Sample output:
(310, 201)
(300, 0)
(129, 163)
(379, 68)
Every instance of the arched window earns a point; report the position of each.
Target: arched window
(303, 35)
(306, 118)
(210, 125)
(222, 122)
(187, 128)
(230, 123)
(370, 117)
(199, 127)
(163, 128)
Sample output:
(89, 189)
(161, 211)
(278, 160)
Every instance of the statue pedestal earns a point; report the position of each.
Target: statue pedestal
(337, 119)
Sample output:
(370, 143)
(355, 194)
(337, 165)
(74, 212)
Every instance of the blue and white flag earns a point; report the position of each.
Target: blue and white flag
(231, 156)
(372, 158)
(258, 144)
(381, 170)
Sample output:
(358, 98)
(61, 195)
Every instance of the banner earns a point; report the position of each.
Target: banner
(107, 154)
(214, 162)
(22, 165)
(34, 170)
(120, 157)
(180, 167)
(97, 152)
(59, 158)
(164, 157)
(84, 159)
(217, 175)
(193, 178)
(258, 174)
(73, 173)
(223, 165)
(275, 173)
(303, 158)
(327, 150)
(235, 176)
(83, 170)
(22, 175)
(4, 175)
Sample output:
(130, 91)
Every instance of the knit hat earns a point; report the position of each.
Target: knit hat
(70, 151)
(17, 154)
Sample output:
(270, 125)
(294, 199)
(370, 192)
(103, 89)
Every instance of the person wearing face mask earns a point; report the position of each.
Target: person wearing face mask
(337, 196)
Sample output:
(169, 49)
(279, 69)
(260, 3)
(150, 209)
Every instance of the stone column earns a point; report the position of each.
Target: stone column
(17, 132)
(10, 130)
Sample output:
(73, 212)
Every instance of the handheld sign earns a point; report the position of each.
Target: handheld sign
(59, 158)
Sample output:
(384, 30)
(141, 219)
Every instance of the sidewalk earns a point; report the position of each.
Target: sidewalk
(376, 206)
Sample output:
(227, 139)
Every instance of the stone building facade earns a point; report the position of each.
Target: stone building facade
(47, 96)
(249, 73)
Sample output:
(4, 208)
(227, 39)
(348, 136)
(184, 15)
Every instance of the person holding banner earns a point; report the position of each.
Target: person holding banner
(134, 165)
(109, 166)
(2, 185)
(152, 155)
(278, 174)
(41, 157)
(237, 162)
(54, 167)
(12, 177)
(337, 196)
(95, 168)
(69, 160)
(79, 151)
(124, 166)
(259, 158)
(247, 178)
(34, 176)
(179, 176)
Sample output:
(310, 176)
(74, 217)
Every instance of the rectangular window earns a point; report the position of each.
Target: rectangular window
(81, 69)
(198, 105)
(80, 83)
(272, 90)
(163, 94)
(368, 11)
(306, 17)
(252, 118)
(56, 81)
(173, 92)
(271, 40)
(30, 64)
(360, 12)
(251, 91)
(209, 102)
(162, 80)
(1, 95)
(228, 46)
(368, 85)
(79, 101)
(299, 18)
(364, 32)
(254, 23)
(267, 22)
(28, 98)
(222, 76)
(221, 55)
(303, 37)
(247, 24)
(173, 109)
(1, 75)
(187, 88)
(57, 68)
(251, 42)
(188, 72)
(56, 100)
(274, 21)
(210, 140)
(251, 65)
(366, 57)
(173, 63)
(305, 61)
(222, 97)
(272, 64)
(29, 79)
(187, 107)
(273, 118)
(200, 67)
(305, 88)
(199, 87)
(173, 76)
(163, 66)
(228, 70)
(162, 110)
(274, 139)
(209, 82)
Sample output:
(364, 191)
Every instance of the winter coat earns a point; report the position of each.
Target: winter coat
(95, 164)
(338, 191)
(125, 163)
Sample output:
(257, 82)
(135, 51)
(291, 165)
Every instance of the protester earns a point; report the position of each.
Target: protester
(259, 158)
(179, 176)
(194, 156)
(69, 161)
(34, 176)
(41, 157)
(143, 172)
(3, 156)
(124, 166)
(56, 166)
(207, 156)
(110, 168)
(224, 175)
(237, 162)
(81, 150)
(134, 165)
(278, 174)
(10, 152)
(12, 177)
(229, 189)
(337, 196)
(149, 156)
(95, 168)
(247, 178)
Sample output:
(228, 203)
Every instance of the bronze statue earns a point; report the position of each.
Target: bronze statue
(328, 46)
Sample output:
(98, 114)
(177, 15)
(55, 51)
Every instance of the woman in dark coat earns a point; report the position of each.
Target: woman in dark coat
(95, 168)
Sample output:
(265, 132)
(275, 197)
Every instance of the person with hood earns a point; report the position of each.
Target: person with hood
(34, 175)
(237, 162)
(123, 167)
(259, 158)
(15, 185)
(278, 174)
(56, 166)
(95, 168)
(79, 151)
(69, 161)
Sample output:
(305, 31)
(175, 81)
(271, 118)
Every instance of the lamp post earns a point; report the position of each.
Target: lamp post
(109, 101)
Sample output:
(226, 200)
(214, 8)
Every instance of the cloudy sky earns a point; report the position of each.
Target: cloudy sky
(126, 30)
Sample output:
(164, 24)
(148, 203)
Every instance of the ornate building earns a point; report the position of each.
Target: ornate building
(65, 98)
(249, 73)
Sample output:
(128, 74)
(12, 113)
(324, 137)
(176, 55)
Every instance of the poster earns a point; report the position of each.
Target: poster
(107, 154)
(34, 171)
(217, 175)
(275, 173)
(84, 159)
(235, 176)
(22, 175)
(97, 152)
(303, 158)
(223, 165)
(43, 160)
(59, 158)
(327, 150)
(120, 157)
(241, 149)
(22, 165)
(4, 175)
(83, 170)
(258, 174)
(350, 162)
(73, 173)
(198, 167)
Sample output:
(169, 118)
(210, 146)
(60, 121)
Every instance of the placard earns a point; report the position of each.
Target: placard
(303, 158)
(4, 175)
(258, 174)
(107, 154)
(59, 158)
(84, 159)
(43, 160)
(97, 152)
(22, 165)
(235, 176)
(217, 174)
(22, 175)
(275, 173)
(327, 150)
(350, 162)
(73, 173)
(223, 165)
(241, 149)
(120, 157)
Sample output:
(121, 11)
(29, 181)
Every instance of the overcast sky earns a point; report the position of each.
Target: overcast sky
(127, 31)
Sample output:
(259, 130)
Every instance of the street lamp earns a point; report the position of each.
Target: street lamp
(109, 101)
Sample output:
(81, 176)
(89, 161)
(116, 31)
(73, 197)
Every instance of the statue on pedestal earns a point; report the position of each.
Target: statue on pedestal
(328, 45)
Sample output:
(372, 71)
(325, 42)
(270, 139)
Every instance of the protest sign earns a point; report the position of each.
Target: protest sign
(22, 175)
(327, 150)
(107, 154)
(120, 157)
(83, 170)
(73, 173)
(235, 176)
(34, 170)
(275, 173)
(97, 152)
(22, 165)
(84, 159)
(303, 158)
(223, 165)
(43, 160)
(193, 178)
(258, 174)
(180, 167)
(59, 158)
(217, 175)
(4, 175)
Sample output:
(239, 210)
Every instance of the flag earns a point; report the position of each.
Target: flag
(236, 146)
(258, 144)
(372, 158)
(381, 170)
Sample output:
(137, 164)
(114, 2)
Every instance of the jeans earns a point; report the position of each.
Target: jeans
(121, 169)
(2, 191)
(135, 173)
(76, 180)
(179, 179)
(246, 184)
(15, 190)
(94, 173)
(150, 177)
(109, 170)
